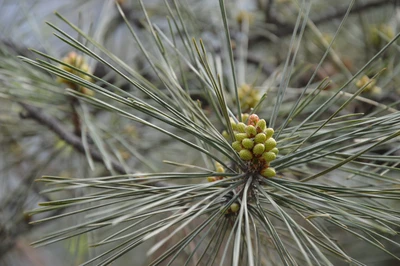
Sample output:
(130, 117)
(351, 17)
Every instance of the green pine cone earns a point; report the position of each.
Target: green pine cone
(248, 143)
(269, 156)
(260, 138)
(258, 149)
(268, 172)
(270, 144)
(251, 131)
(240, 136)
(246, 155)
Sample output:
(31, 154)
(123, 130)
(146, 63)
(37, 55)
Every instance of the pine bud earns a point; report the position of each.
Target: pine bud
(225, 134)
(240, 136)
(269, 156)
(251, 131)
(241, 127)
(237, 146)
(261, 125)
(253, 120)
(219, 167)
(269, 132)
(245, 117)
(248, 143)
(275, 150)
(260, 138)
(235, 207)
(211, 179)
(246, 155)
(270, 144)
(233, 124)
(258, 149)
(268, 172)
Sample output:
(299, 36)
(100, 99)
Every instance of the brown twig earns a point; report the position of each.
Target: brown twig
(339, 13)
(55, 126)
(286, 29)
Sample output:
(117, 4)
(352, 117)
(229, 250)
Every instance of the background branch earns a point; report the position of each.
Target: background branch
(69, 137)
(55, 126)
(286, 29)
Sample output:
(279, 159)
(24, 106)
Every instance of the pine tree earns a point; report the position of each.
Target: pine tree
(201, 151)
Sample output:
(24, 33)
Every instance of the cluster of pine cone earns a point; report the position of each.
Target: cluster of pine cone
(255, 144)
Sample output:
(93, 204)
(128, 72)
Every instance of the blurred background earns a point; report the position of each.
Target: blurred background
(260, 28)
